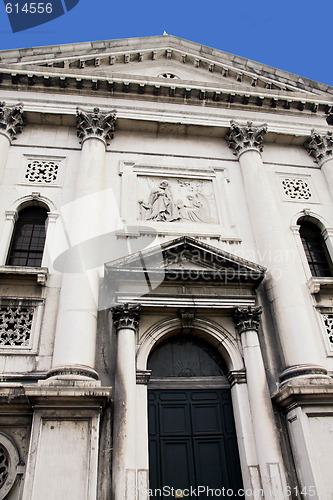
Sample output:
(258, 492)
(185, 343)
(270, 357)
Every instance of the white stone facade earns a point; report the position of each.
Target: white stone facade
(177, 181)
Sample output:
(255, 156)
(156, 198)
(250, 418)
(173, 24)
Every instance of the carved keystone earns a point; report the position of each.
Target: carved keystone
(245, 137)
(320, 146)
(247, 318)
(126, 316)
(96, 124)
(11, 120)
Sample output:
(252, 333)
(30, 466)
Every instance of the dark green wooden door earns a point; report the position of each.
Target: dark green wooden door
(192, 441)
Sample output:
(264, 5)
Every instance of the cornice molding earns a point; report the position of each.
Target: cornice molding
(134, 86)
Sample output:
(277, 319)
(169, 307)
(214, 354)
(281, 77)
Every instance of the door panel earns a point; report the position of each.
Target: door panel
(192, 440)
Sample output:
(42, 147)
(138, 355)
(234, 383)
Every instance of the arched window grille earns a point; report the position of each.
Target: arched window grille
(186, 356)
(28, 240)
(315, 250)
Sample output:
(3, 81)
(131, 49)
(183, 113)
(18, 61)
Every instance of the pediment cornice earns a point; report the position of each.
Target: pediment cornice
(187, 259)
(112, 68)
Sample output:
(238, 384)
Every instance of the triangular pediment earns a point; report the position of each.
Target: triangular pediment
(189, 259)
(157, 59)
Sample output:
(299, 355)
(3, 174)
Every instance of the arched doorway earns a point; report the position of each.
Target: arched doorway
(192, 438)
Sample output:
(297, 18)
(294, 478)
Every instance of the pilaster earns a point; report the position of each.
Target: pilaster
(75, 340)
(125, 320)
(287, 302)
(271, 467)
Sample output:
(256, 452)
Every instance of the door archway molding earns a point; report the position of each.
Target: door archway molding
(219, 337)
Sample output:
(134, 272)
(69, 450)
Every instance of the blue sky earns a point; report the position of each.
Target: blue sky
(293, 35)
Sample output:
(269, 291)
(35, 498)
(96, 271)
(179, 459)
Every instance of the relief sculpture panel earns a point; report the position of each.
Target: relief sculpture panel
(172, 200)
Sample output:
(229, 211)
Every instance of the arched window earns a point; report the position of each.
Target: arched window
(27, 245)
(315, 249)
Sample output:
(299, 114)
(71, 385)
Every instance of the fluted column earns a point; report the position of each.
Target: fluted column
(11, 124)
(320, 147)
(75, 340)
(299, 348)
(265, 434)
(125, 320)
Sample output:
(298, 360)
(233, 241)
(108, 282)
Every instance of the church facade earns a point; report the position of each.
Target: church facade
(166, 276)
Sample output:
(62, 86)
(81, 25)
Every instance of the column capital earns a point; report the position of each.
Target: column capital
(126, 316)
(11, 120)
(247, 318)
(96, 125)
(247, 137)
(320, 146)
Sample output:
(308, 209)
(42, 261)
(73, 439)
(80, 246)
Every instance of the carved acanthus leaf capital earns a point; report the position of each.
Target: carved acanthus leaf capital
(320, 146)
(242, 138)
(247, 318)
(95, 125)
(126, 316)
(11, 120)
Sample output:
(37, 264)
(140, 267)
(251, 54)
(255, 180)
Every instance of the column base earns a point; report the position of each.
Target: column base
(63, 375)
(314, 374)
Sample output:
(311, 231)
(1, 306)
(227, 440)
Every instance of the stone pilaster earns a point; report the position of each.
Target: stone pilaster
(75, 340)
(125, 320)
(286, 298)
(320, 147)
(268, 451)
(11, 124)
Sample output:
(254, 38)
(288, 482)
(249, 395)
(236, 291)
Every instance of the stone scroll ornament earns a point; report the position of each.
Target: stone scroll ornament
(95, 125)
(320, 146)
(242, 138)
(11, 120)
(177, 200)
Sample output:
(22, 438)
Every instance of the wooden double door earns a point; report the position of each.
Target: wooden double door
(192, 443)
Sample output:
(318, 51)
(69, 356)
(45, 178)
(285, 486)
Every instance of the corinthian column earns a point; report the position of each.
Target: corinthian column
(75, 340)
(11, 124)
(266, 439)
(298, 343)
(321, 148)
(125, 320)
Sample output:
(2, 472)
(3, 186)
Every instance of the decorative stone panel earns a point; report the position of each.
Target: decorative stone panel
(15, 325)
(20, 323)
(176, 200)
(296, 188)
(42, 171)
(190, 198)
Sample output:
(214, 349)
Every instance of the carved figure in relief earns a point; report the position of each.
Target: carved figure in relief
(160, 206)
(192, 205)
